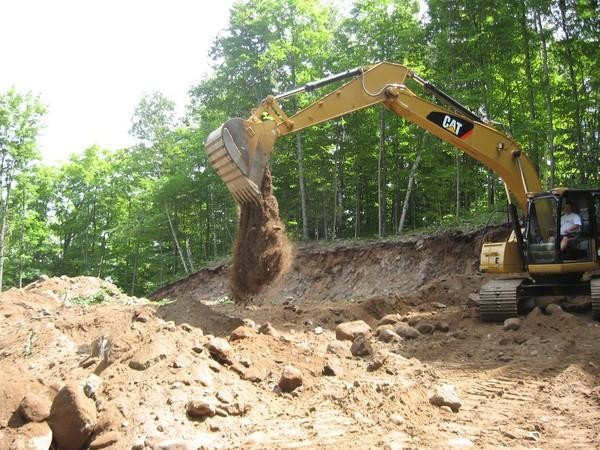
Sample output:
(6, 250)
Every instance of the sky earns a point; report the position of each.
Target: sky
(92, 61)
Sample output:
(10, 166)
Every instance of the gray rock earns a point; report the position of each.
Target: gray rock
(338, 348)
(388, 335)
(92, 385)
(378, 360)
(267, 328)
(397, 419)
(291, 378)
(361, 346)
(406, 331)
(514, 323)
(389, 319)
(72, 417)
(553, 308)
(332, 368)
(445, 395)
(425, 328)
(347, 331)
(442, 326)
(438, 305)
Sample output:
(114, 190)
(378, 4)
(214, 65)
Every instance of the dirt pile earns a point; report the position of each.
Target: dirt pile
(261, 252)
(415, 368)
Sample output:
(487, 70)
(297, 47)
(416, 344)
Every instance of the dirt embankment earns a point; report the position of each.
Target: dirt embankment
(370, 345)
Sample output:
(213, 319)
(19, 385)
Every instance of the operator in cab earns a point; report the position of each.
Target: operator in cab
(570, 225)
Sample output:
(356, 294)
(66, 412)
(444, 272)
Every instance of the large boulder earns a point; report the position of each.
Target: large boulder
(348, 331)
(72, 417)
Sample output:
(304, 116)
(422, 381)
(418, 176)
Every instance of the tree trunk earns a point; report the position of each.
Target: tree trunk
(301, 182)
(548, 98)
(409, 189)
(174, 234)
(381, 176)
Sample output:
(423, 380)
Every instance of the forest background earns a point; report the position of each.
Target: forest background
(148, 214)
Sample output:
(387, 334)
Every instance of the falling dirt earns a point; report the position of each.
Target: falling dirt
(196, 370)
(261, 252)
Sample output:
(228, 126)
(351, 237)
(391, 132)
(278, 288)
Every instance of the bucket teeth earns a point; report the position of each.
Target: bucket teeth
(230, 163)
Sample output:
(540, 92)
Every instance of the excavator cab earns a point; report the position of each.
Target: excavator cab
(543, 235)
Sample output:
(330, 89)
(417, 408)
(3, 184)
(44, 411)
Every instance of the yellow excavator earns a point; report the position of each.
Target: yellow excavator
(543, 257)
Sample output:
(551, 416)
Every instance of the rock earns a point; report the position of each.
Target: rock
(72, 417)
(442, 326)
(220, 350)
(101, 347)
(224, 396)
(32, 436)
(92, 385)
(361, 346)
(149, 354)
(379, 358)
(388, 335)
(473, 300)
(406, 331)
(553, 308)
(241, 332)
(520, 339)
(347, 331)
(256, 439)
(338, 348)
(318, 330)
(253, 375)
(460, 443)
(200, 408)
(181, 362)
(332, 368)
(239, 408)
(267, 328)
(446, 409)
(104, 440)
(34, 408)
(397, 419)
(425, 328)
(143, 315)
(203, 376)
(438, 305)
(291, 378)
(389, 319)
(514, 323)
(445, 395)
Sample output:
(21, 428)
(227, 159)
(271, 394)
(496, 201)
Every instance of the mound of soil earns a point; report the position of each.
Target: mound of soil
(200, 371)
(261, 252)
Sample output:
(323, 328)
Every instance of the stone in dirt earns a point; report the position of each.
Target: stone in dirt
(32, 436)
(361, 346)
(201, 408)
(338, 348)
(220, 350)
(34, 408)
(514, 323)
(406, 331)
(378, 360)
(332, 368)
(261, 252)
(253, 375)
(442, 326)
(388, 335)
(553, 308)
(425, 328)
(104, 440)
(149, 354)
(347, 331)
(291, 378)
(72, 417)
(389, 319)
(241, 332)
(268, 329)
(445, 395)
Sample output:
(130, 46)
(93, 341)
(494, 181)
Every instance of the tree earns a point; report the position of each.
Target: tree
(20, 122)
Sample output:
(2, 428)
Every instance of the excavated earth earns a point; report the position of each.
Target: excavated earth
(84, 366)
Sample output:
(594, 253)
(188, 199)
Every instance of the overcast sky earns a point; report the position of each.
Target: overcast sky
(91, 61)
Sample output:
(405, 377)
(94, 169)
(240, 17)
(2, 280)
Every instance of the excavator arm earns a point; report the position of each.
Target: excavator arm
(240, 148)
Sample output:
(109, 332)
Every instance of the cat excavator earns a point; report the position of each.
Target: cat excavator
(533, 254)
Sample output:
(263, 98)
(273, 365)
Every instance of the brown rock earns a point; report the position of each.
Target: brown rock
(425, 328)
(104, 440)
(406, 331)
(253, 374)
(445, 395)
(347, 331)
(34, 408)
(338, 348)
(242, 332)
(239, 408)
(149, 354)
(389, 319)
(514, 323)
(291, 378)
(442, 326)
(553, 308)
(220, 350)
(361, 346)
(32, 436)
(388, 335)
(201, 408)
(72, 417)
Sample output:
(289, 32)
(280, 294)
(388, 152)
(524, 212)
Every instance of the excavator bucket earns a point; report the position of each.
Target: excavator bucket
(239, 151)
